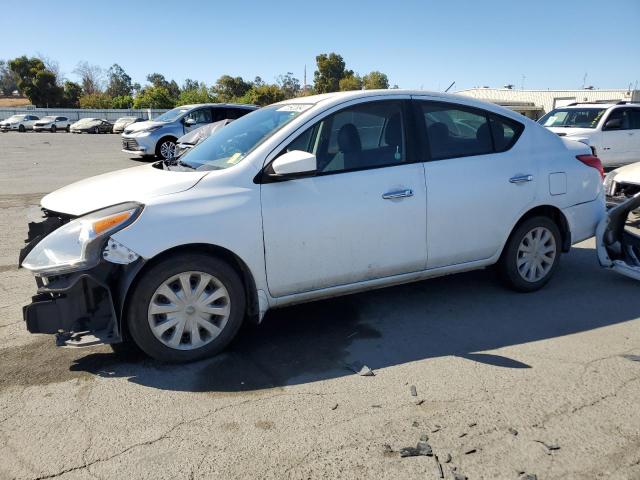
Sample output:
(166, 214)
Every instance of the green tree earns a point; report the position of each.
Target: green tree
(96, 100)
(71, 95)
(119, 83)
(331, 69)
(229, 88)
(289, 85)
(8, 79)
(154, 97)
(351, 82)
(200, 94)
(36, 82)
(122, 102)
(190, 84)
(375, 80)
(263, 95)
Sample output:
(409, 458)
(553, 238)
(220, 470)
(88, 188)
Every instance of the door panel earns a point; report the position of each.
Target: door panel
(338, 229)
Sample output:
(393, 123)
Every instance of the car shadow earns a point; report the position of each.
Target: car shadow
(460, 315)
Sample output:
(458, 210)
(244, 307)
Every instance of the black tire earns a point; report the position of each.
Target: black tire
(508, 269)
(53, 129)
(96, 130)
(68, 129)
(22, 129)
(159, 146)
(154, 277)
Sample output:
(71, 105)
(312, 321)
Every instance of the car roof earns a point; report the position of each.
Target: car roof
(219, 105)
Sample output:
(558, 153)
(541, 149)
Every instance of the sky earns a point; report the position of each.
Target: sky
(419, 44)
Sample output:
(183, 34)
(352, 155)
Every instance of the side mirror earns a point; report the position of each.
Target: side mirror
(190, 122)
(294, 164)
(613, 124)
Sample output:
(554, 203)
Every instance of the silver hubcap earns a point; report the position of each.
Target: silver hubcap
(168, 149)
(189, 310)
(536, 254)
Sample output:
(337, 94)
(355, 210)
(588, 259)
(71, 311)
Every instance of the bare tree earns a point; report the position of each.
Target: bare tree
(53, 66)
(92, 77)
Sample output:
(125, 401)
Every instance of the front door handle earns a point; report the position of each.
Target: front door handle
(521, 179)
(398, 194)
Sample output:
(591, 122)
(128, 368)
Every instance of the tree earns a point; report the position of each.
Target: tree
(71, 95)
(154, 97)
(331, 69)
(351, 82)
(375, 80)
(36, 82)
(159, 81)
(289, 85)
(96, 100)
(264, 95)
(190, 84)
(201, 94)
(8, 79)
(119, 83)
(230, 88)
(91, 76)
(122, 102)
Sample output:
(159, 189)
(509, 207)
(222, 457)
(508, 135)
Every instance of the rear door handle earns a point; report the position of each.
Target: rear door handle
(521, 179)
(398, 194)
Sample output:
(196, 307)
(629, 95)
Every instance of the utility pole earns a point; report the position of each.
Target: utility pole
(584, 80)
(304, 88)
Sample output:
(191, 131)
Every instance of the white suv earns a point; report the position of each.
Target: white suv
(611, 130)
(52, 124)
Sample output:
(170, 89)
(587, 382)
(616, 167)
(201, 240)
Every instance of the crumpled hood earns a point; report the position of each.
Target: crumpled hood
(136, 127)
(628, 173)
(571, 131)
(136, 184)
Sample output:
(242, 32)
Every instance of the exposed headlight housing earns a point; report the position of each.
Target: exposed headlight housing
(77, 245)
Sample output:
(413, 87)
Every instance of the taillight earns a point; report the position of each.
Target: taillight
(592, 161)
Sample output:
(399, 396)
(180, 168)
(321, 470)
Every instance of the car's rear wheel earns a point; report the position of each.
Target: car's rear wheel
(96, 130)
(68, 129)
(186, 307)
(53, 129)
(21, 128)
(531, 255)
(166, 148)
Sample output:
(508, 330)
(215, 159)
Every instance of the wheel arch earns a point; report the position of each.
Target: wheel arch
(132, 277)
(168, 136)
(552, 212)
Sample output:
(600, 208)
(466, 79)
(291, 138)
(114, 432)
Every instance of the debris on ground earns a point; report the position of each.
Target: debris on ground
(422, 448)
(471, 425)
(470, 451)
(436, 428)
(459, 476)
(414, 391)
(550, 447)
(529, 476)
(633, 358)
(463, 434)
(419, 401)
(513, 431)
(447, 458)
(360, 369)
(415, 424)
(440, 470)
(376, 406)
(386, 449)
(334, 406)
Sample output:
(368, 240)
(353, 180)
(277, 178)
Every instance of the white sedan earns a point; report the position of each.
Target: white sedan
(20, 123)
(305, 199)
(52, 123)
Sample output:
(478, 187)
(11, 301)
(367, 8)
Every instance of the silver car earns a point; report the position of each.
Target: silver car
(20, 123)
(52, 124)
(158, 137)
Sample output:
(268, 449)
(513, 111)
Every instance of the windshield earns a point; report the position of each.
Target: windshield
(171, 115)
(230, 145)
(572, 117)
(15, 118)
(50, 119)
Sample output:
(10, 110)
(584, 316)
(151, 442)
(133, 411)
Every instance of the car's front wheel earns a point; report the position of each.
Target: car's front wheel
(53, 129)
(186, 307)
(21, 128)
(166, 148)
(531, 255)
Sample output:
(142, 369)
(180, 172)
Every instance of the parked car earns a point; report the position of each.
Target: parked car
(612, 130)
(194, 137)
(92, 125)
(622, 183)
(309, 198)
(21, 123)
(158, 136)
(52, 123)
(124, 122)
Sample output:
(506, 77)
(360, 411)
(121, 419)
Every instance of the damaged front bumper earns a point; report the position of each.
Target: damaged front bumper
(618, 238)
(78, 308)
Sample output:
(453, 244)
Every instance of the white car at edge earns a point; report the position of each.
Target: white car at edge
(305, 199)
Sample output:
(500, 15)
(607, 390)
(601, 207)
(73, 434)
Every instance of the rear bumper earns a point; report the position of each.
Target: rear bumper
(584, 218)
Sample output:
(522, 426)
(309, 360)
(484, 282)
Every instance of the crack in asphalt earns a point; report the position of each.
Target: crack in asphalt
(166, 434)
